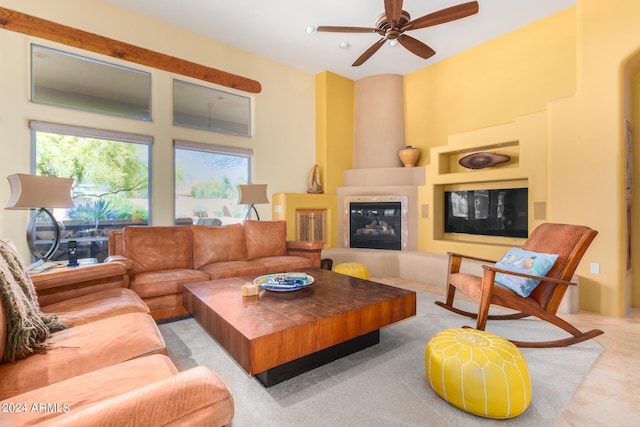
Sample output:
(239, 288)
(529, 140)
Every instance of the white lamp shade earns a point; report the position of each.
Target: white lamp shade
(37, 191)
(253, 194)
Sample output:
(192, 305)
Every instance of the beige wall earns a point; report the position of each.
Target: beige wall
(283, 120)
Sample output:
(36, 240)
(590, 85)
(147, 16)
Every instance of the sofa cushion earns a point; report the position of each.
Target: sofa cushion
(155, 248)
(281, 264)
(194, 397)
(265, 238)
(96, 306)
(83, 349)
(86, 390)
(165, 282)
(222, 270)
(217, 244)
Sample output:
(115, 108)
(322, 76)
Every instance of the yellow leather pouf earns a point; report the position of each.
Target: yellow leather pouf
(478, 372)
(353, 269)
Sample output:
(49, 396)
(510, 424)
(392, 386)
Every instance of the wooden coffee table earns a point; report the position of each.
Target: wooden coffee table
(278, 335)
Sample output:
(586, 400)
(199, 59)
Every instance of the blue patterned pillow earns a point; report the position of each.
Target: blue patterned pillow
(527, 262)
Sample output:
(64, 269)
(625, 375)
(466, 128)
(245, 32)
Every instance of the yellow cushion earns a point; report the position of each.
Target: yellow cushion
(353, 269)
(478, 372)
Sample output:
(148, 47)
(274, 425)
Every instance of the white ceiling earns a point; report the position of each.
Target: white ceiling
(275, 29)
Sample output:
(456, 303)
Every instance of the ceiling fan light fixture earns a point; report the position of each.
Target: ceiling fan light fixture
(394, 22)
(310, 29)
(344, 45)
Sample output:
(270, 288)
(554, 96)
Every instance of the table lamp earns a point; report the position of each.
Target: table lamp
(41, 193)
(253, 194)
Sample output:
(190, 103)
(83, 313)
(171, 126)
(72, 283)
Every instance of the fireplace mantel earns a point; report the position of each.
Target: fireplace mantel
(373, 177)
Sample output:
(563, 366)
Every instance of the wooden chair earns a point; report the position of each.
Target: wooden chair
(570, 242)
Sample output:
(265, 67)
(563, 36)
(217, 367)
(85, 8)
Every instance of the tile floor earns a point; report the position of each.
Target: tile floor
(610, 394)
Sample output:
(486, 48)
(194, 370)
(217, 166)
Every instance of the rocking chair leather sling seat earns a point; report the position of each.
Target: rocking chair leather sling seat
(569, 242)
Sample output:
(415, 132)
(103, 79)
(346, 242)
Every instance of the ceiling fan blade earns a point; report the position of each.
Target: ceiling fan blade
(369, 52)
(415, 46)
(445, 15)
(332, 29)
(393, 10)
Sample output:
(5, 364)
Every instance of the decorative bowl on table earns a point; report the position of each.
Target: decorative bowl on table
(284, 282)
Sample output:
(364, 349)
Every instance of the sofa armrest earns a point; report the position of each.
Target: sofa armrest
(308, 249)
(70, 282)
(120, 259)
(115, 242)
(192, 397)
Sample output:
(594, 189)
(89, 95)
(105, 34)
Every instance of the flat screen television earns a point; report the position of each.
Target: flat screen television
(500, 212)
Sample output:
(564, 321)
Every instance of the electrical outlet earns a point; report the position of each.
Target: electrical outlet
(595, 268)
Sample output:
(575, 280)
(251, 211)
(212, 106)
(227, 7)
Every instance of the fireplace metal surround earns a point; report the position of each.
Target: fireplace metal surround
(376, 222)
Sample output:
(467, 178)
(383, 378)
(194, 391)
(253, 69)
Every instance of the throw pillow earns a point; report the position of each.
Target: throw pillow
(526, 262)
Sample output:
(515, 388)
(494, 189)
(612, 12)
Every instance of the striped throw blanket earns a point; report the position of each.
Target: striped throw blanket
(27, 326)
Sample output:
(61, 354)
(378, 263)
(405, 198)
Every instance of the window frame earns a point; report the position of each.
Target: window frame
(179, 144)
(209, 97)
(36, 126)
(100, 105)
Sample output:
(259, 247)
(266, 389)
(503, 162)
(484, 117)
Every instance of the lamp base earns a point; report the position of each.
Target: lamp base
(31, 235)
(249, 212)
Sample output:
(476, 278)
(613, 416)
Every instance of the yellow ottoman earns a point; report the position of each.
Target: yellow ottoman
(478, 372)
(353, 269)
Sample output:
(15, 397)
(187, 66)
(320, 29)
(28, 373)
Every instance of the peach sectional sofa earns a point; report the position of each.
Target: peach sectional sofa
(164, 258)
(109, 368)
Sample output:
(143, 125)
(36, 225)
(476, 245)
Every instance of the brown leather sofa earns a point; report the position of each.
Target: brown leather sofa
(110, 367)
(164, 258)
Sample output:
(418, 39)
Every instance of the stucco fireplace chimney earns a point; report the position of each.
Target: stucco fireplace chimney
(378, 174)
(379, 121)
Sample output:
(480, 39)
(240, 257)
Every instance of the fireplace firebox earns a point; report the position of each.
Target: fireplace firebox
(376, 224)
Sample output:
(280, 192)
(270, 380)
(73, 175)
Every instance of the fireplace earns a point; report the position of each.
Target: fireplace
(376, 222)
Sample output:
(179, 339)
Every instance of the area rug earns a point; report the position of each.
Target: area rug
(385, 385)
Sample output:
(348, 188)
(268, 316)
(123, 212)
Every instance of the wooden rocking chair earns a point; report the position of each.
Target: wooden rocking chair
(570, 242)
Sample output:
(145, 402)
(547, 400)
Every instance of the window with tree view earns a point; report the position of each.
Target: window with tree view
(206, 183)
(111, 183)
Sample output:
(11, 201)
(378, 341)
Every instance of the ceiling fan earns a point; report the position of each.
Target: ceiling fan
(393, 22)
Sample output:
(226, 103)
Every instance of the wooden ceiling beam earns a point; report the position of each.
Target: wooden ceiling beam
(30, 25)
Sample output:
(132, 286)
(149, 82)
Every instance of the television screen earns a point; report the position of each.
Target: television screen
(502, 212)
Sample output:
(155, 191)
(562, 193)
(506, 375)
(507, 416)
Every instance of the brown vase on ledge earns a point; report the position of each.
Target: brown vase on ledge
(409, 156)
